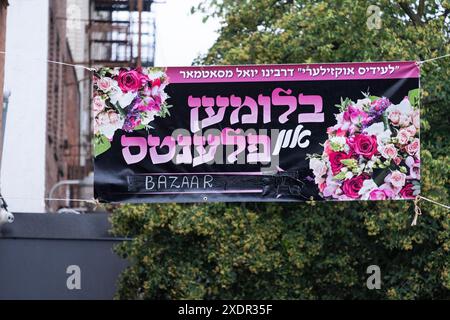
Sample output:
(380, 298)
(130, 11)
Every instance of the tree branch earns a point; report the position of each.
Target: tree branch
(414, 17)
(421, 9)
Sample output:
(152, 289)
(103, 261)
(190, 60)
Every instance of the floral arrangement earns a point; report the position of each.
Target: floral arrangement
(126, 99)
(372, 153)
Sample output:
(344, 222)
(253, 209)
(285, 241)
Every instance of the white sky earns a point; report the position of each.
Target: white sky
(181, 36)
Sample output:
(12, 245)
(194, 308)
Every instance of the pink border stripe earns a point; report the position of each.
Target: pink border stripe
(294, 72)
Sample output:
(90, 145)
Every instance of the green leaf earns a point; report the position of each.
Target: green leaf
(373, 98)
(101, 145)
(414, 97)
(140, 127)
(351, 163)
(339, 176)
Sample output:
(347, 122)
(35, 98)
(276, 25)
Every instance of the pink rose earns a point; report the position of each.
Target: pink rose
(98, 104)
(407, 191)
(388, 151)
(352, 186)
(380, 194)
(411, 130)
(413, 147)
(104, 84)
(102, 118)
(397, 160)
(414, 167)
(335, 160)
(113, 117)
(130, 80)
(397, 179)
(405, 120)
(394, 116)
(364, 145)
(403, 136)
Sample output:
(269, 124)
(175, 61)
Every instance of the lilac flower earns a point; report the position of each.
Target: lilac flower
(377, 107)
(132, 119)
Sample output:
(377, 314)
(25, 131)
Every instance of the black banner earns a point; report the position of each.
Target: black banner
(257, 133)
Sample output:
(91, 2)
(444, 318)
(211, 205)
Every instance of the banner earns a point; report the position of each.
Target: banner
(346, 131)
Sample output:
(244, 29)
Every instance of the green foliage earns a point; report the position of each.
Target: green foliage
(101, 145)
(308, 250)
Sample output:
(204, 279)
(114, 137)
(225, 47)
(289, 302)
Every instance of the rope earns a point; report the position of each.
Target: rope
(436, 203)
(64, 63)
(432, 59)
(418, 211)
(92, 200)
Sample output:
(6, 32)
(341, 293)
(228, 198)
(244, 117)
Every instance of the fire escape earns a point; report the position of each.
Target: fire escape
(121, 33)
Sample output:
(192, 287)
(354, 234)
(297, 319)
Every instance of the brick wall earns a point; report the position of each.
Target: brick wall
(63, 111)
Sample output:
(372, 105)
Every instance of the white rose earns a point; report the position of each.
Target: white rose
(339, 140)
(124, 99)
(367, 187)
(108, 123)
(318, 167)
(403, 107)
(377, 129)
(362, 102)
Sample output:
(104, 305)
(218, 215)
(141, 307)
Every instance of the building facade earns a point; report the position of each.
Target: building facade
(42, 137)
(63, 144)
(47, 139)
(3, 7)
(23, 163)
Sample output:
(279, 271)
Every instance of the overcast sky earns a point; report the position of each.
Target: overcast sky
(181, 36)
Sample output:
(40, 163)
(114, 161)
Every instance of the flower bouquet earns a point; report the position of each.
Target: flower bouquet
(127, 99)
(372, 153)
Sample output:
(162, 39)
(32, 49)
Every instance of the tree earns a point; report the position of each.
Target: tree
(309, 250)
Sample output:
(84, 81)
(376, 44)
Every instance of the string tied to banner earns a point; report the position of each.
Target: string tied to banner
(418, 211)
(419, 63)
(65, 64)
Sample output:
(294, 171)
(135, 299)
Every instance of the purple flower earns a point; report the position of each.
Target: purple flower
(132, 120)
(377, 107)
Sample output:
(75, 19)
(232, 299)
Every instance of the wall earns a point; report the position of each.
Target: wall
(37, 250)
(68, 100)
(23, 163)
(63, 111)
(77, 36)
(3, 6)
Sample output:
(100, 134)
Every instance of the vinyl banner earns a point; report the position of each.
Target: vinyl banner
(346, 131)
